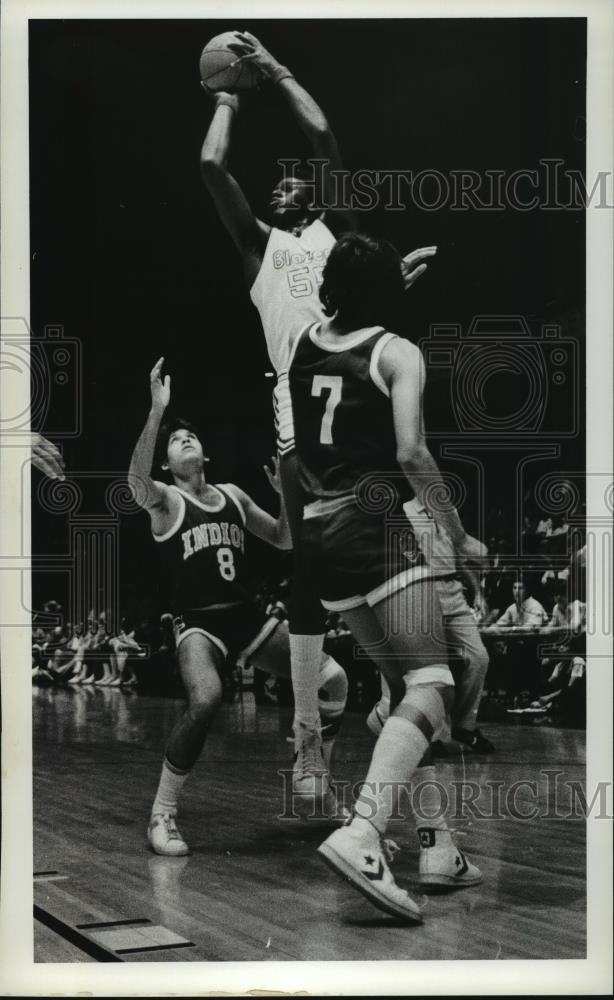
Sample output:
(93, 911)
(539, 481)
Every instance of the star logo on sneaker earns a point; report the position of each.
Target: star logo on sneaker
(461, 864)
(374, 876)
(369, 860)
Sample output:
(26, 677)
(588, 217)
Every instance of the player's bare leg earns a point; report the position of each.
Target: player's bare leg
(306, 643)
(406, 630)
(469, 651)
(274, 658)
(463, 633)
(199, 662)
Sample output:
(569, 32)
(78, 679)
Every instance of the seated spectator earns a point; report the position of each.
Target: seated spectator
(524, 612)
(569, 654)
(566, 691)
(567, 614)
(62, 658)
(518, 665)
(86, 655)
(124, 644)
(544, 527)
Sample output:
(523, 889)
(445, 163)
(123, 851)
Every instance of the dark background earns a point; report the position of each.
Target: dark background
(129, 258)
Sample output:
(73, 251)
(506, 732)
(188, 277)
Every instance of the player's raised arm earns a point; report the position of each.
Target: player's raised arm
(152, 496)
(402, 368)
(258, 521)
(248, 233)
(312, 121)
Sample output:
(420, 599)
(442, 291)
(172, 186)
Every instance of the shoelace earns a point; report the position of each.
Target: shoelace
(390, 849)
(309, 756)
(171, 828)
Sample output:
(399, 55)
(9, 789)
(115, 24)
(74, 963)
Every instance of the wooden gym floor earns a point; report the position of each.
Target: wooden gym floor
(253, 886)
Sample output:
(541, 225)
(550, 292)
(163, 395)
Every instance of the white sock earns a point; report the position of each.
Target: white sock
(428, 798)
(305, 660)
(172, 781)
(332, 698)
(397, 753)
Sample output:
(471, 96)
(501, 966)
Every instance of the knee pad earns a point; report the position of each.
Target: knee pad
(425, 706)
(332, 690)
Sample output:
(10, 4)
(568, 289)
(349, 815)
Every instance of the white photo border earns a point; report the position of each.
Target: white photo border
(19, 975)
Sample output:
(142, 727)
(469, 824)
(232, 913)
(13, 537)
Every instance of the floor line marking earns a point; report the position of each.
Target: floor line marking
(114, 923)
(69, 933)
(156, 947)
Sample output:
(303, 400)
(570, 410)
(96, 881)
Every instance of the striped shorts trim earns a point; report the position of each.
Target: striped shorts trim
(282, 410)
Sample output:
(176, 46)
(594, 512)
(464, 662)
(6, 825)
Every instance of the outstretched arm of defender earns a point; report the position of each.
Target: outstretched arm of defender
(248, 233)
(402, 368)
(151, 495)
(258, 521)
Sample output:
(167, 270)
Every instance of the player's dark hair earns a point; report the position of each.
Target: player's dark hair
(169, 425)
(362, 282)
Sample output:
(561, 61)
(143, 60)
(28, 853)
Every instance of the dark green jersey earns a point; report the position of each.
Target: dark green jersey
(342, 411)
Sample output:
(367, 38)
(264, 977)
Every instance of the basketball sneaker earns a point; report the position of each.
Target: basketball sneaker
(441, 864)
(473, 739)
(358, 854)
(309, 771)
(317, 798)
(164, 837)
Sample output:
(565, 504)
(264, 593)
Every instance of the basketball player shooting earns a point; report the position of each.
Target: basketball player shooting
(200, 530)
(282, 263)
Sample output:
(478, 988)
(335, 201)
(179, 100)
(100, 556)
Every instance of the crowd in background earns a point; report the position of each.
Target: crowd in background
(531, 613)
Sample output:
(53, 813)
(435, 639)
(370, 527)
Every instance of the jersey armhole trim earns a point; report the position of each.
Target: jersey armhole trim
(304, 331)
(229, 488)
(256, 280)
(374, 371)
(171, 531)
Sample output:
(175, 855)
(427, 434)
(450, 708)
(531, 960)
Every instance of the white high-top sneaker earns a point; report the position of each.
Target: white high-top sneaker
(442, 865)
(357, 853)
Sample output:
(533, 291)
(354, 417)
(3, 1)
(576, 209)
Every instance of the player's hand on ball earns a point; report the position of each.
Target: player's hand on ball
(414, 264)
(273, 475)
(249, 48)
(46, 457)
(160, 390)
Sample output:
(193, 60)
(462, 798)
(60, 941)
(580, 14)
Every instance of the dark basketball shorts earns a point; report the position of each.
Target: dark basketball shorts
(237, 630)
(358, 556)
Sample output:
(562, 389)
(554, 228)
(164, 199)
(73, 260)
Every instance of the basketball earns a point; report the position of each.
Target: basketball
(217, 71)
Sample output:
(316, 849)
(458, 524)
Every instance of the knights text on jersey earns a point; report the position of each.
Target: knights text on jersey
(286, 289)
(204, 552)
(343, 420)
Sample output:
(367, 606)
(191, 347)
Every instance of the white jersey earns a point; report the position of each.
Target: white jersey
(285, 291)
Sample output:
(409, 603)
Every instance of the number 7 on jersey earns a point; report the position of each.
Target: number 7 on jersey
(334, 384)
